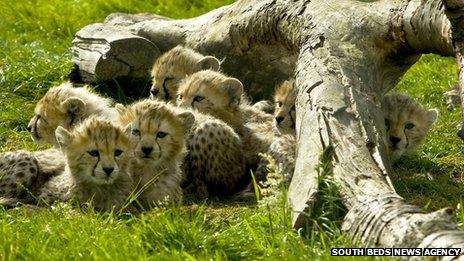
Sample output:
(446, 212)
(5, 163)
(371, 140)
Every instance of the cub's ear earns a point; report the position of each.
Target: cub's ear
(432, 115)
(209, 62)
(235, 89)
(63, 137)
(73, 106)
(187, 119)
(120, 108)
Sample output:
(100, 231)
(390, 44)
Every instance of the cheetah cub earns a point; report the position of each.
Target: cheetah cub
(283, 149)
(65, 106)
(158, 133)
(406, 122)
(215, 94)
(173, 66)
(18, 170)
(284, 113)
(97, 156)
(284, 95)
(214, 164)
(23, 173)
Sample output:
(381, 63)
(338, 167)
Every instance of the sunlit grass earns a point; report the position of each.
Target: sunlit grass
(432, 177)
(35, 37)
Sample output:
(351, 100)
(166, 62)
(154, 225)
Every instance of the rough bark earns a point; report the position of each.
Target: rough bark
(455, 14)
(345, 55)
(104, 52)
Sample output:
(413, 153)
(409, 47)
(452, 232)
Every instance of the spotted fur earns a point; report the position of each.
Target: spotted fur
(23, 173)
(214, 163)
(215, 94)
(63, 106)
(18, 170)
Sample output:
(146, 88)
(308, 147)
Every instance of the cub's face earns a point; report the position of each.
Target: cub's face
(49, 114)
(175, 65)
(285, 114)
(97, 151)
(166, 80)
(44, 123)
(209, 92)
(157, 133)
(407, 124)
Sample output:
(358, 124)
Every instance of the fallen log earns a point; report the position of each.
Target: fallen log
(345, 55)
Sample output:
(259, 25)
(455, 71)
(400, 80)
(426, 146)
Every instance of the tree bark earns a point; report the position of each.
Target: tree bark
(455, 13)
(104, 52)
(345, 55)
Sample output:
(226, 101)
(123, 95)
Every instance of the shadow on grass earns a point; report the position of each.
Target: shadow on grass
(427, 183)
(122, 89)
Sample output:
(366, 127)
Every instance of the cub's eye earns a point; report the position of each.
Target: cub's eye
(279, 104)
(166, 80)
(135, 132)
(40, 118)
(409, 126)
(154, 92)
(94, 153)
(387, 124)
(198, 98)
(117, 153)
(161, 134)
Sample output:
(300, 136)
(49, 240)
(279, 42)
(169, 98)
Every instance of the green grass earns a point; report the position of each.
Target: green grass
(35, 37)
(432, 177)
(179, 233)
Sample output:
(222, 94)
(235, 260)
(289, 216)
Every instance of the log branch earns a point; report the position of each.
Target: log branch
(104, 52)
(389, 220)
(455, 14)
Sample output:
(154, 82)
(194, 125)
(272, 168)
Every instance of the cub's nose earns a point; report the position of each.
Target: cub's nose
(394, 140)
(147, 150)
(279, 119)
(108, 171)
(29, 127)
